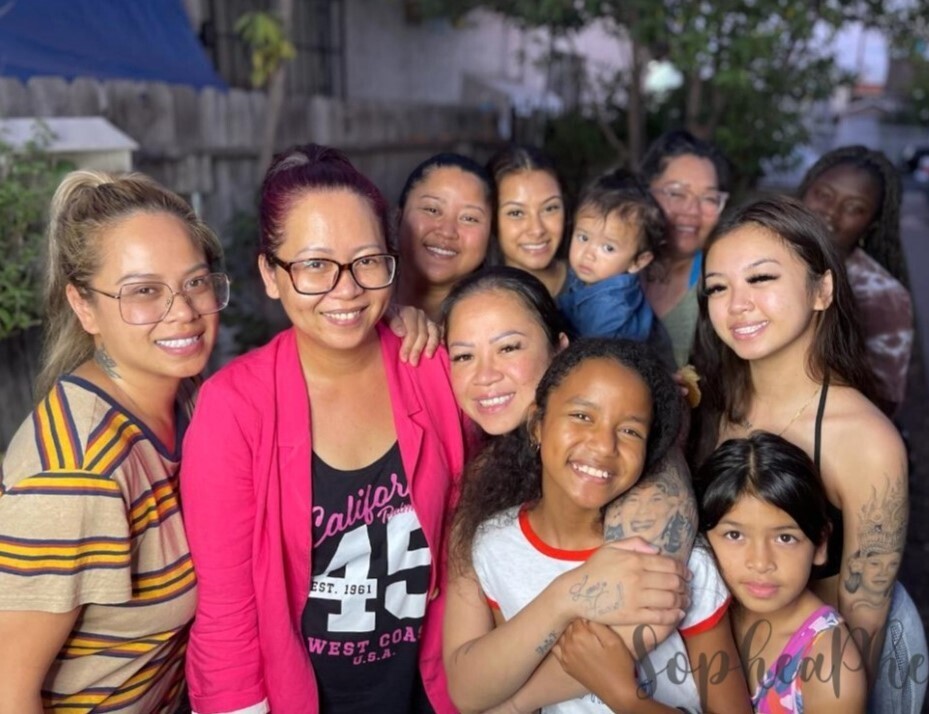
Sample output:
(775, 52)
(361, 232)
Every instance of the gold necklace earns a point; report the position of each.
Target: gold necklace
(748, 426)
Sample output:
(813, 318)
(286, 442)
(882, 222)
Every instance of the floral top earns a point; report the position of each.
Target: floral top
(779, 691)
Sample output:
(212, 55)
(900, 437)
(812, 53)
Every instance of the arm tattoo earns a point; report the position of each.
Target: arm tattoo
(660, 508)
(872, 569)
(598, 597)
(107, 363)
(546, 645)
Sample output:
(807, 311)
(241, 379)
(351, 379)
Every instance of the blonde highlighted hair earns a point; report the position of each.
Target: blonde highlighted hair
(86, 204)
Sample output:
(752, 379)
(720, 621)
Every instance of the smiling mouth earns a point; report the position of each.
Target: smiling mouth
(440, 252)
(494, 402)
(592, 471)
(343, 315)
(179, 342)
(639, 526)
(535, 247)
(744, 331)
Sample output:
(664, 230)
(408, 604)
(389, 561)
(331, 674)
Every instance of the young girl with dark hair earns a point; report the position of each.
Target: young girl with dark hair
(528, 555)
(763, 509)
(779, 349)
(856, 191)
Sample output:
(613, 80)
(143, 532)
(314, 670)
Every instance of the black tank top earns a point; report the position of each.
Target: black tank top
(836, 537)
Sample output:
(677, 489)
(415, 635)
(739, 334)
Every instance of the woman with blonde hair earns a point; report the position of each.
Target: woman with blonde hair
(97, 590)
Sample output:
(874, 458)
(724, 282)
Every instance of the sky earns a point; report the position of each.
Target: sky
(863, 52)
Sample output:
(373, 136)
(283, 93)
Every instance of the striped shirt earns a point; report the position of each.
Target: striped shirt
(89, 517)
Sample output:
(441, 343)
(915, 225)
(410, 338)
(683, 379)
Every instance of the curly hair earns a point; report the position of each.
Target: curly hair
(881, 240)
(508, 472)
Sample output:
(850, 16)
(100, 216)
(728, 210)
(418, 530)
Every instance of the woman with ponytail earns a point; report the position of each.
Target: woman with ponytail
(96, 586)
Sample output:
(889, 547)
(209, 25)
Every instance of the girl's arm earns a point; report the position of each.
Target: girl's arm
(838, 684)
(29, 643)
(486, 665)
(717, 670)
(596, 657)
(224, 668)
(875, 509)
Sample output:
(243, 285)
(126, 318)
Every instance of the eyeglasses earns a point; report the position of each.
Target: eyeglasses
(677, 196)
(150, 302)
(318, 276)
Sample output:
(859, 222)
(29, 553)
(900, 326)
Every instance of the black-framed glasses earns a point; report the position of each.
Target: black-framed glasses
(318, 276)
(149, 302)
(678, 196)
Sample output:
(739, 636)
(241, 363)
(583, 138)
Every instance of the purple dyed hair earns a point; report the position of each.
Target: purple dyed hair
(303, 169)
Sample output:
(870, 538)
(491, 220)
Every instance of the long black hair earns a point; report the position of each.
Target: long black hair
(508, 472)
(769, 468)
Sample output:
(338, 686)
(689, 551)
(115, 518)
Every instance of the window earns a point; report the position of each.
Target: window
(318, 32)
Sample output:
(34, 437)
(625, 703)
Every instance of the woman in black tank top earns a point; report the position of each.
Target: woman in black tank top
(777, 335)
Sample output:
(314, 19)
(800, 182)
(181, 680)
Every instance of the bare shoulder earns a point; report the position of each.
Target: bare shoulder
(840, 682)
(859, 439)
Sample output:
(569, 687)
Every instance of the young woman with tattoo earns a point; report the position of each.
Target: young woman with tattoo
(763, 509)
(779, 350)
(528, 555)
(96, 585)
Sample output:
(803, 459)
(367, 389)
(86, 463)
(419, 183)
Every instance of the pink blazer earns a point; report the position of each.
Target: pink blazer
(246, 498)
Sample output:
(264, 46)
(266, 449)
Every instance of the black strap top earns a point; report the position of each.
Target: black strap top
(834, 547)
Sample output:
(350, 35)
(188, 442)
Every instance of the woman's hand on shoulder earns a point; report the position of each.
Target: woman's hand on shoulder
(420, 335)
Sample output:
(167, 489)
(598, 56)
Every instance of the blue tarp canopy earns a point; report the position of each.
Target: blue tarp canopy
(144, 40)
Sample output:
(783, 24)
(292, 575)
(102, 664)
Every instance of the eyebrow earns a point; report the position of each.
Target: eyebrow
(473, 206)
(777, 529)
(581, 402)
(130, 277)
(494, 339)
(330, 251)
(760, 261)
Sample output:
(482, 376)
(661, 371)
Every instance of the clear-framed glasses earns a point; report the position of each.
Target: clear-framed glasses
(677, 196)
(149, 302)
(318, 276)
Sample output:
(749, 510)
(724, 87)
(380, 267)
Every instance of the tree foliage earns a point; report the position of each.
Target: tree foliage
(28, 178)
(752, 69)
(270, 47)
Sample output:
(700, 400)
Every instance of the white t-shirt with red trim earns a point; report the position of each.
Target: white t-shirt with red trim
(514, 565)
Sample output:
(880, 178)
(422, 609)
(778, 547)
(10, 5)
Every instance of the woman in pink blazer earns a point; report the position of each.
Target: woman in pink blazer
(317, 476)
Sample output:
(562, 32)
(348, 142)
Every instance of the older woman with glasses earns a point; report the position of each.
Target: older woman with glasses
(688, 177)
(317, 476)
(97, 590)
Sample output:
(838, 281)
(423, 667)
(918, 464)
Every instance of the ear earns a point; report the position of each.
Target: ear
(642, 261)
(269, 277)
(562, 342)
(824, 292)
(83, 309)
(821, 552)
